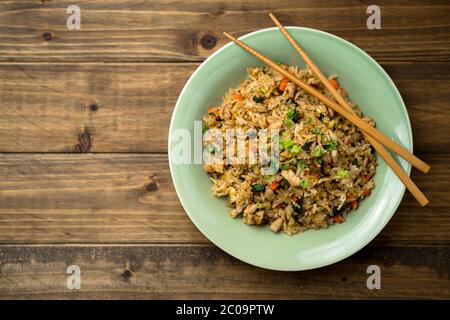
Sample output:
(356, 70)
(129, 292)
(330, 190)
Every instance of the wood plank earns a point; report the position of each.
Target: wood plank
(170, 30)
(117, 107)
(205, 272)
(129, 198)
(103, 108)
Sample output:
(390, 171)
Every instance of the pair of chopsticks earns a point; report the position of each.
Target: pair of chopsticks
(377, 139)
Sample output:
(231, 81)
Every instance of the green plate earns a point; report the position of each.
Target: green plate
(367, 84)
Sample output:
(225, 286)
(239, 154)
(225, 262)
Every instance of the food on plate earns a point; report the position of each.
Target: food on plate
(325, 166)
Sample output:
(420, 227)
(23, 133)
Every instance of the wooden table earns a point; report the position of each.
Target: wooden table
(84, 178)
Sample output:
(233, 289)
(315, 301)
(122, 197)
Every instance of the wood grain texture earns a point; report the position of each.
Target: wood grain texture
(172, 30)
(190, 272)
(96, 108)
(129, 198)
(84, 177)
(118, 107)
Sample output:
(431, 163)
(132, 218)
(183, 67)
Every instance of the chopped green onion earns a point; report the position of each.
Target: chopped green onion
(308, 120)
(285, 144)
(288, 122)
(290, 113)
(284, 167)
(318, 152)
(330, 145)
(321, 116)
(304, 183)
(316, 130)
(341, 173)
(294, 149)
(259, 205)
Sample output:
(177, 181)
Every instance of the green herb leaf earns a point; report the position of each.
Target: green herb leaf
(293, 115)
(301, 164)
(336, 210)
(307, 145)
(204, 127)
(316, 130)
(297, 208)
(258, 188)
(258, 99)
(284, 167)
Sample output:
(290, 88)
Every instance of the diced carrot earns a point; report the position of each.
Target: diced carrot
(238, 97)
(342, 92)
(366, 192)
(338, 218)
(214, 111)
(354, 204)
(274, 185)
(351, 197)
(334, 83)
(283, 84)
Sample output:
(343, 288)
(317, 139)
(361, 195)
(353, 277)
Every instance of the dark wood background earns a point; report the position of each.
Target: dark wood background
(84, 177)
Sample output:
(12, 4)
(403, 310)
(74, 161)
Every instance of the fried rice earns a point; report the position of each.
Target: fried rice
(326, 166)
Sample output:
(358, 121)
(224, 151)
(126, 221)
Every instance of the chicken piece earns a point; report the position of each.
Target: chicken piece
(251, 209)
(276, 225)
(269, 194)
(234, 213)
(334, 155)
(258, 217)
(291, 177)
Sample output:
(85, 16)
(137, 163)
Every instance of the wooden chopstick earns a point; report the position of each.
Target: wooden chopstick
(350, 116)
(409, 184)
